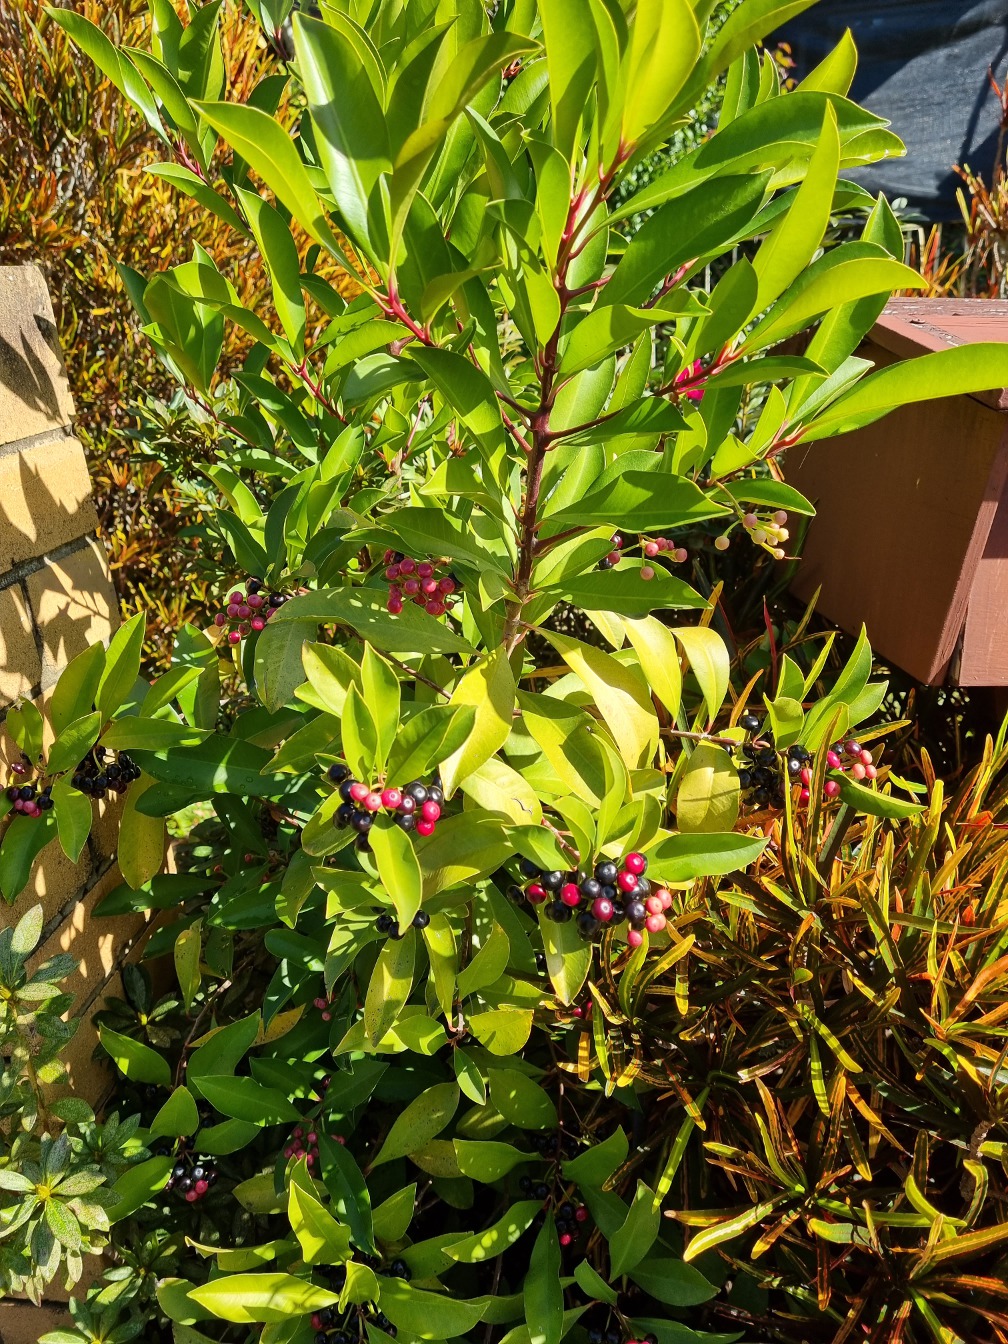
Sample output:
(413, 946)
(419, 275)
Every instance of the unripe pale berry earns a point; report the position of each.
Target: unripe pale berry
(654, 923)
(780, 517)
(722, 543)
(783, 534)
(759, 536)
(647, 572)
(858, 771)
(680, 554)
(778, 553)
(750, 521)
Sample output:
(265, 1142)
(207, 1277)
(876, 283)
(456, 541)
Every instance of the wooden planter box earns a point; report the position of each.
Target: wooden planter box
(911, 532)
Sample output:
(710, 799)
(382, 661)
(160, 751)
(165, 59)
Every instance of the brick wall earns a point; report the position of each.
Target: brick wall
(56, 598)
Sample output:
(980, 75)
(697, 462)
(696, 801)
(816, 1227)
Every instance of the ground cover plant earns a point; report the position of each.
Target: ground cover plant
(500, 939)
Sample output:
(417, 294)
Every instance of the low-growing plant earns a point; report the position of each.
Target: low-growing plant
(473, 802)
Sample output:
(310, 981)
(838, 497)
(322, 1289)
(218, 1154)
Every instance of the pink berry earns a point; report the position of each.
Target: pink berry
(289, 1151)
(411, 587)
(309, 1160)
(392, 572)
(866, 758)
(232, 610)
(651, 549)
(429, 587)
(858, 771)
(569, 894)
(680, 554)
(614, 558)
(780, 517)
(602, 909)
(425, 569)
(234, 637)
(446, 586)
(201, 1187)
(833, 760)
(298, 1133)
(646, 573)
(871, 772)
(654, 923)
(19, 805)
(326, 1016)
(430, 811)
(191, 1196)
(407, 566)
(255, 600)
(565, 1239)
(373, 802)
(831, 788)
(635, 863)
(665, 897)
(220, 619)
(750, 520)
(435, 608)
(581, 1214)
(236, 597)
(805, 775)
(536, 893)
(634, 938)
(319, 1002)
(626, 881)
(312, 1137)
(804, 796)
(258, 623)
(359, 791)
(654, 906)
(391, 798)
(244, 611)
(394, 605)
(425, 827)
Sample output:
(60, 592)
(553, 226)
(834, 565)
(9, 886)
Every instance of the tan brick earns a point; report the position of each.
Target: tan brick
(107, 820)
(74, 606)
(90, 1078)
(45, 499)
(52, 882)
(96, 943)
(20, 666)
(24, 1323)
(34, 392)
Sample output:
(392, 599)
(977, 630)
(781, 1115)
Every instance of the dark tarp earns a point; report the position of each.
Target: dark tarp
(923, 64)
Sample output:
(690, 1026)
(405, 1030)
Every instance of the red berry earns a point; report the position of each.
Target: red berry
(602, 909)
(191, 1196)
(258, 624)
(651, 549)
(871, 771)
(326, 1016)
(635, 863)
(866, 758)
(407, 566)
(805, 775)
(359, 791)
(316, 1321)
(255, 600)
(425, 827)
(391, 798)
(411, 587)
(635, 938)
(626, 881)
(232, 610)
(654, 923)
(833, 760)
(447, 586)
(565, 1239)
(425, 569)
(831, 788)
(394, 605)
(220, 619)
(236, 597)
(201, 1187)
(234, 637)
(434, 607)
(614, 558)
(569, 894)
(244, 628)
(244, 611)
(392, 572)
(373, 802)
(430, 811)
(653, 905)
(535, 893)
(429, 587)
(804, 796)
(312, 1137)
(665, 897)
(581, 1214)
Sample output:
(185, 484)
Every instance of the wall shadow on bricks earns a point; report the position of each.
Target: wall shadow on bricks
(23, 373)
(34, 518)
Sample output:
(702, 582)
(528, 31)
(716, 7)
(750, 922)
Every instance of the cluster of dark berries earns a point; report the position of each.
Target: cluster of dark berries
(415, 807)
(610, 894)
(333, 1326)
(649, 549)
(386, 923)
(247, 613)
(28, 799)
(418, 581)
(760, 778)
(192, 1177)
(98, 777)
(570, 1218)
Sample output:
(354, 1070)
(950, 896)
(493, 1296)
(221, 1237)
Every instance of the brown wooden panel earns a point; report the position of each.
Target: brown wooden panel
(905, 507)
(984, 660)
(910, 327)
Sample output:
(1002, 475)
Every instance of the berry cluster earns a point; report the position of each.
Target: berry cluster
(761, 781)
(760, 777)
(418, 581)
(304, 1144)
(324, 1007)
(615, 1336)
(98, 778)
(333, 1326)
(192, 1177)
(386, 923)
(859, 763)
(415, 807)
(29, 801)
(767, 532)
(608, 895)
(649, 549)
(247, 613)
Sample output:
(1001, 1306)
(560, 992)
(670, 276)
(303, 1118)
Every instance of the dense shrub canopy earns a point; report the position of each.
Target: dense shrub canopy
(530, 984)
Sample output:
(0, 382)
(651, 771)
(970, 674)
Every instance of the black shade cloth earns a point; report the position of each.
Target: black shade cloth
(923, 64)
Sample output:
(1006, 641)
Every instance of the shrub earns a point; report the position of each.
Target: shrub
(434, 714)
